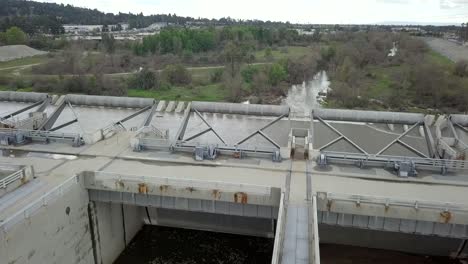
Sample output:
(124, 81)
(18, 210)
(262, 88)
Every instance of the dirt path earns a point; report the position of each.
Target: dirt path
(132, 72)
(19, 67)
(449, 49)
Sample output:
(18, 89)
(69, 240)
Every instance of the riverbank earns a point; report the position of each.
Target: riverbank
(415, 79)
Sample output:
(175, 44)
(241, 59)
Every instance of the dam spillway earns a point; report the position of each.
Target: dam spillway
(86, 173)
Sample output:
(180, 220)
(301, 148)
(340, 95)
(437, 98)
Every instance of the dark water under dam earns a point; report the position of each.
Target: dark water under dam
(165, 245)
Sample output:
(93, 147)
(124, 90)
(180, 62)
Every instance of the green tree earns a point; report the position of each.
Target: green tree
(15, 36)
(3, 38)
(248, 73)
(276, 74)
(108, 41)
(268, 53)
(235, 54)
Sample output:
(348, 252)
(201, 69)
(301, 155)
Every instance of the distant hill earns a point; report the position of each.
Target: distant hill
(34, 17)
(408, 23)
(67, 14)
(64, 13)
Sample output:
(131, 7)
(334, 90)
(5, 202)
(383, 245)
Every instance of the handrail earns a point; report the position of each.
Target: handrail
(32, 207)
(279, 234)
(316, 239)
(439, 163)
(39, 133)
(11, 178)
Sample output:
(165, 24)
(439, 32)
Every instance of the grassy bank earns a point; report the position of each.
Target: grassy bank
(212, 92)
(282, 53)
(23, 61)
(17, 77)
(392, 83)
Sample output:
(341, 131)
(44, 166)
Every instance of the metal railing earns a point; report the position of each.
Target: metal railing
(41, 135)
(153, 131)
(425, 163)
(279, 234)
(8, 122)
(315, 233)
(18, 175)
(20, 123)
(38, 133)
(37, 204)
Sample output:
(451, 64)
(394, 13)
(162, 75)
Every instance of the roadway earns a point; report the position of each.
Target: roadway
(449, 49)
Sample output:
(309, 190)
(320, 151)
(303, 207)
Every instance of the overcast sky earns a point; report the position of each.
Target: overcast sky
(295, 11)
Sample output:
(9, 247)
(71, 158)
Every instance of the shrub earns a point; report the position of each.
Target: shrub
(177, 75)
(248, 73)
(268, 53)
(145, 80)
(19, 83)
(276, 74)
(461, 68)
(217, 75)
(14, 36)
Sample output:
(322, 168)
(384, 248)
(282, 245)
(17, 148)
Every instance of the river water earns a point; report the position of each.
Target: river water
(302, 98)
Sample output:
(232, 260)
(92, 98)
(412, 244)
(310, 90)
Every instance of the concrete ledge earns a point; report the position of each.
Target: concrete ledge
(28, 97)
(109, 101)
(192, 189)
(241, 109)
(185, 204)
(436, 212)
(213, 222)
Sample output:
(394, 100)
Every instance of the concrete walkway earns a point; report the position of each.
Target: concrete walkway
(449, 49)
(296, 243)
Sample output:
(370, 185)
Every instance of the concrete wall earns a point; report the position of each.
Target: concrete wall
(53, 234)
(417, 244)
(231, 224)
(110, 236)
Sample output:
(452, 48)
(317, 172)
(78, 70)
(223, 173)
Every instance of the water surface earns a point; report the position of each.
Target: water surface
(302, 98)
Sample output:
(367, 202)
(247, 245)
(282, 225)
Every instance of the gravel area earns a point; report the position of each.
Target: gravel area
(449, 49)
(12, 52)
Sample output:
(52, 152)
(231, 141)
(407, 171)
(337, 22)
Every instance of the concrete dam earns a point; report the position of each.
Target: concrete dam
(81, 175)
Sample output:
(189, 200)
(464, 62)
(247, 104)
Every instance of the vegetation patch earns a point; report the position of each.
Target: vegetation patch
(212, 92)
(365, 76)
(22, 62)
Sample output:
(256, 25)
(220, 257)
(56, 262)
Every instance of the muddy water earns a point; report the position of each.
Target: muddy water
(163, 245)
(304, 97)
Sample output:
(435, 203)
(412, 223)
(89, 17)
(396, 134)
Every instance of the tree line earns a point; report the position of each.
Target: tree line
(179, 41)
